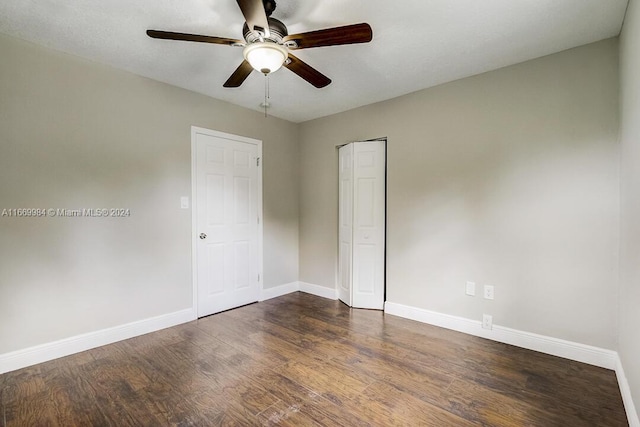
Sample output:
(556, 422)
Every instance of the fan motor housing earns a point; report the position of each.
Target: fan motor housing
(277, 31)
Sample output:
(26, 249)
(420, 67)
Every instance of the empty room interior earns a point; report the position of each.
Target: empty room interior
(219, 212)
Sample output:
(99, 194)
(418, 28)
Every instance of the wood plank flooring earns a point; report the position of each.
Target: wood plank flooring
(301, 360)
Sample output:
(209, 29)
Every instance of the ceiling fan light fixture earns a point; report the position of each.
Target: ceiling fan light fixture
(266, 57)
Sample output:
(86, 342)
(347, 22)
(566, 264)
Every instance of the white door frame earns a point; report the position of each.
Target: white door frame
(194, 200)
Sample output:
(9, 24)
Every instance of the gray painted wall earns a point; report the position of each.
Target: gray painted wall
(509, 178)
(629, 345)
(76, 134)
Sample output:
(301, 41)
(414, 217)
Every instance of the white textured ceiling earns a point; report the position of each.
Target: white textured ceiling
(416, 43)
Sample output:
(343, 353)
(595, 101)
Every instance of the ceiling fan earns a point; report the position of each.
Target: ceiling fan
(267, 43)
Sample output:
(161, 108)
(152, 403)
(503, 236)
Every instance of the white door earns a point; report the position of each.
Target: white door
(345, 223)
(227, 207)
(362, 224)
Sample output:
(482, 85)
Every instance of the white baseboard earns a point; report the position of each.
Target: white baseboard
(321, 291)
(544, 344)
(278, 291)
(625, 390)
(42, 353)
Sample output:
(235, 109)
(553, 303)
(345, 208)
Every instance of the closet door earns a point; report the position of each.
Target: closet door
(362, 224)
(345, 223)
(368, 224)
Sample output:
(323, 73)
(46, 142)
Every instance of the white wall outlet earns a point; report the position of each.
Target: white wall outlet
(471, 288)
(488, 292)
(184, 202)
(487, 321)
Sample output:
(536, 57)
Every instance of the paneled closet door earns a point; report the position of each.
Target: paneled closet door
(362, 224)
(345, 223)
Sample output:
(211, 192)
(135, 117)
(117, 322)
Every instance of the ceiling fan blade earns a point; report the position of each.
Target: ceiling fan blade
(349, 34)
(254, 14)
(239, 75)
(156, 34)
(307, 72)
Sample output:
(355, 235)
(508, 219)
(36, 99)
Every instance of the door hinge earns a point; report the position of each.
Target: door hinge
(257, 161)
(258, 277)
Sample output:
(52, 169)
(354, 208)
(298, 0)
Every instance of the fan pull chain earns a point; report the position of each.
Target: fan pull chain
(267, 94)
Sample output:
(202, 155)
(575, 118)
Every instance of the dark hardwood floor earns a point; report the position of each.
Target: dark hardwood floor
(302, 360)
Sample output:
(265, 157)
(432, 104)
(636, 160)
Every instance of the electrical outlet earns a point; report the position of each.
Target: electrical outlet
(471, 288)
(184, 202)
(488, 292)
(487, 321)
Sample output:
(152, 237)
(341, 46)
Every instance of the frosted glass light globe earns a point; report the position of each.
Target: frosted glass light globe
(265, 57)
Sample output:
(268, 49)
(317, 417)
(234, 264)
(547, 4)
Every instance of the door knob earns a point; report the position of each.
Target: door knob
(203, 236)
